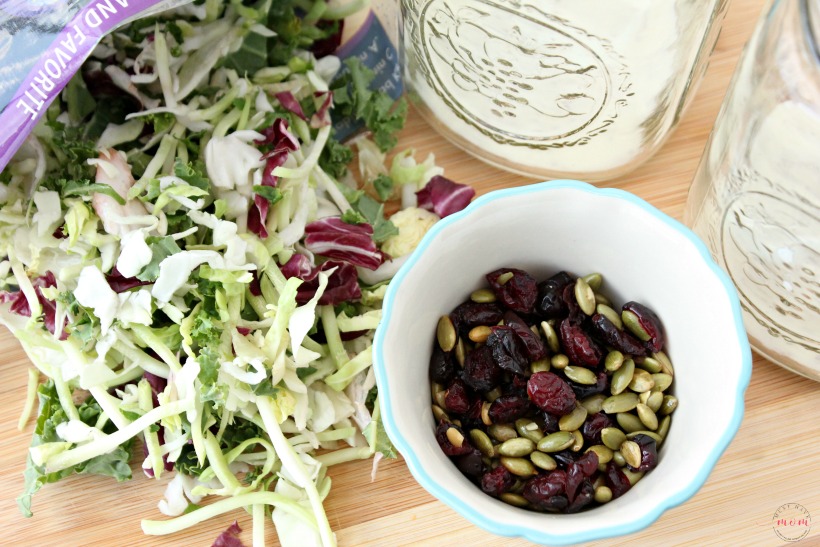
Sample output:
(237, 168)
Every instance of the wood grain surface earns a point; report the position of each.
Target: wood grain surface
(772, 461)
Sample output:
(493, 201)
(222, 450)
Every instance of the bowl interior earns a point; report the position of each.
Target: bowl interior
(643, 256)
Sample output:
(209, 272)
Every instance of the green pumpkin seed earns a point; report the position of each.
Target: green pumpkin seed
(661, 381)
(455, 437)
(446, 333)
(482, 296)
(669, 404)
(623, 402)
(631, 451)
(485, 413)
(542, 365)
(579, 441)
(438, 394)
(518, 466)
(573, 420)
(581, 375)
(517, 487)
(585, 296)
(503, 278)
(610, 314)
(645, 414)
(516, 448)
(516, 500)
(622, 377)
(529, 429)
(483, 442)
(618, 459)
(461, 352)
(666, 364)
(652, 434)
(629, 422)
(594, 280)
(601, 299)
(603, 452)
(599, 481)
(439, 414)
(633, 325)
(556, 442)
(502, 432)
(612, 437)
(663, 427)
(632, 476)
(552, 337)
(654, 400)
(641, 381)
(493, 394)
(559, 361)
(543, 461)
(649, 364)
(479, 334)
(603, 494)
(594, 403)
(614, 360)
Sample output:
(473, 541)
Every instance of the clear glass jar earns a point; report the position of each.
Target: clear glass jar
(556, 88)
(755, 199)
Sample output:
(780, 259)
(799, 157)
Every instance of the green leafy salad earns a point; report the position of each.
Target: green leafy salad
(195, 265)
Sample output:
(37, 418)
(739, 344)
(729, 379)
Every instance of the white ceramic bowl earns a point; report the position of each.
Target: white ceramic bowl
(645, 256)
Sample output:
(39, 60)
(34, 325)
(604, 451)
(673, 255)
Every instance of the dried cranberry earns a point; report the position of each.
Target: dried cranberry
(509, 408)
(616, 480)
(480, 371)
(650, 323)
(508, 350)
(550, 301)
(533, 345)
(546, 422)
(581, 349)
(593, 425)
(517, 293)
(589, 463)
(574, 315)
(584, 497)
(546, 491)
(550, 393)
(649, 452)
(582, 391)
(564, 458)
(473, 314)
(470, 464)
(457, 399)
(497, 481)
(444, 442)
(442, 368)
(615, 337)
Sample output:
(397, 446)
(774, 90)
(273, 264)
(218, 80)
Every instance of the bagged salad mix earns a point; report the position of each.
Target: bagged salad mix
(194, 245)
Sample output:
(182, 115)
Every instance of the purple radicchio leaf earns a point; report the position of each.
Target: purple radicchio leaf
(444, 197)
(322, 116)
(342, 284)
(230, 537)
(119, 283)
(282, 143)
(353, 243)
(289, 102)
(19, 303)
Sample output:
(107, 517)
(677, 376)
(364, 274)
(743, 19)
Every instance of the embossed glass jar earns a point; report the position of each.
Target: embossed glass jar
(755, 199)
(586, 89)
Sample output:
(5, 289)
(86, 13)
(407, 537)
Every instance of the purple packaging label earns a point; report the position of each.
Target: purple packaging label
(55, 67)
(375, 50)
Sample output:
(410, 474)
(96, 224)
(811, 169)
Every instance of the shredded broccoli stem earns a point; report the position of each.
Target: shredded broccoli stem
(340, 10)
(162, 528)
(344, 455)
(151, 438)
(107, 443)
(334, 338)
(217, 462)
(164, 68)
(143, 360)
(259, 518)
(110, 405)
(153, 341)
(342, 377)
(64, 395)
(31, 398)
(296, 469)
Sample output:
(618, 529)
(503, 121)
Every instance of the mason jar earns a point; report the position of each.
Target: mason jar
(755, 198)
(556, 88)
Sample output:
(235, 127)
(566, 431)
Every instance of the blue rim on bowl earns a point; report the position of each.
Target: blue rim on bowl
(544, 536)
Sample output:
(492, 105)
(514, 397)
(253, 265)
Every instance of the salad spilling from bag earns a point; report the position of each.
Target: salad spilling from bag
(195, 265)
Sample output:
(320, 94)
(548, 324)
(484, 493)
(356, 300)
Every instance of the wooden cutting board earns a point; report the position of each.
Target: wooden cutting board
(772, 461)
